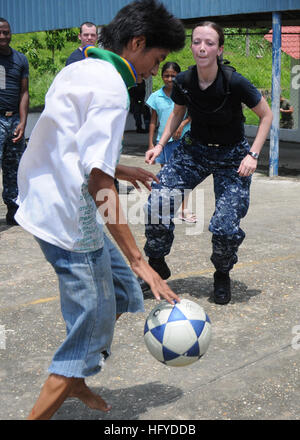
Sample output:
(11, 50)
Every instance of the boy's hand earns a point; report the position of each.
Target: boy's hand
(158, 286)
(135, 175)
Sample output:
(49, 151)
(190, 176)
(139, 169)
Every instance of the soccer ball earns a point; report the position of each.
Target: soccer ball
(177, 335)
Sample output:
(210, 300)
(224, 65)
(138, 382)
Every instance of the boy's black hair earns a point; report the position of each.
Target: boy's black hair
(143, 17)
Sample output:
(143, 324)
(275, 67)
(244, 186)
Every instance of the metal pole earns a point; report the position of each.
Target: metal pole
(247, 43)
(276, 75)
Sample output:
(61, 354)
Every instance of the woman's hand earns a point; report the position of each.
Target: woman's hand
(247, 166)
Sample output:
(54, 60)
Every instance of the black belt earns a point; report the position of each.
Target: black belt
(7, 113)
(189, 140)
(206, 144)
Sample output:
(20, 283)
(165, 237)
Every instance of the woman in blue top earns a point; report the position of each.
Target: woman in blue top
(162, 106)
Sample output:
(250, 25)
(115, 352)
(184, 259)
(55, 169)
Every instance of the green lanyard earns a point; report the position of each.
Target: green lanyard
(124, 67)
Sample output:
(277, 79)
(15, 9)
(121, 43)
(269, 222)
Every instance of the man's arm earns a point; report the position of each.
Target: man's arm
(101, 187)
(23, 110)
(290, 110)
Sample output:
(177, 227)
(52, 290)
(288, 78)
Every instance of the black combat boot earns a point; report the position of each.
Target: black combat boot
(10, 216)
(161, 267)
(222, 293)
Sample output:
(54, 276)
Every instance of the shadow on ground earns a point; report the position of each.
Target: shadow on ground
(3, 225)
(202, 287)
(127, 403)
(282, 171)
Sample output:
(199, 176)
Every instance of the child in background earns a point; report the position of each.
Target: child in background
(161, 106)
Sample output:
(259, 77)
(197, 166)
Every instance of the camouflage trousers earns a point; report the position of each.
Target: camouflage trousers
(287, 123)
(190, 164)
(10, 155)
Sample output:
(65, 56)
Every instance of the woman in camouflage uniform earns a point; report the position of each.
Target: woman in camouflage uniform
(216, 144)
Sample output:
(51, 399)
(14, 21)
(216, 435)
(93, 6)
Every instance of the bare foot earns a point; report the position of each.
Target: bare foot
(92, 400)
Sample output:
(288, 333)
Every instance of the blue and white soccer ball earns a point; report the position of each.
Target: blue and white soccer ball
(177, 335)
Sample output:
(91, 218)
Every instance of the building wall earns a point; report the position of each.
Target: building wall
(288, 135)
(295, 91)
(38, 15)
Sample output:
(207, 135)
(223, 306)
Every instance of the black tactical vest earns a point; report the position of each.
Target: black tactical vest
(220, 116)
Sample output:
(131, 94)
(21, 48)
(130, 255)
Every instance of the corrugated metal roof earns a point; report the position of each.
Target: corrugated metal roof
(37, 15)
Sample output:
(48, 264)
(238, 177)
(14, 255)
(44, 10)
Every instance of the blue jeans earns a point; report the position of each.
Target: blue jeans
(94, 287)
(10, 156)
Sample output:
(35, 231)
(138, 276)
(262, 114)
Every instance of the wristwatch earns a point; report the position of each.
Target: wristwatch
(254, 155)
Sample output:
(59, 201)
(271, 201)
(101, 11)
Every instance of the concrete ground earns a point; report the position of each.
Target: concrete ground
(251, 370)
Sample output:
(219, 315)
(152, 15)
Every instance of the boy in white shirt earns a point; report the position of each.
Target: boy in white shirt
(68, 171)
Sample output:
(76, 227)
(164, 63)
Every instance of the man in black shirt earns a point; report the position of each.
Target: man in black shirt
(14, 103)
(87, 36)
(286, 113)
(138, 107)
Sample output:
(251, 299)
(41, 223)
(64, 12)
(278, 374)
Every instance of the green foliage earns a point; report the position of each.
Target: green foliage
(42, 68)
(72, 34)
(52, 42)
(30, 48)
(55, 40)
(257, 66)
(47, 53)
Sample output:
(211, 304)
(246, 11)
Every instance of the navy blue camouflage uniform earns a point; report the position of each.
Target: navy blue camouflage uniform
(191, 163)
(10, 156)
(13, 68)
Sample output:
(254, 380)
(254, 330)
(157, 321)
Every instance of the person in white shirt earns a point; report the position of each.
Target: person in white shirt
(68, 171)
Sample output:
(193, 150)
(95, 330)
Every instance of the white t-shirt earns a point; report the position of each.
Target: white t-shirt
(80, 129)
